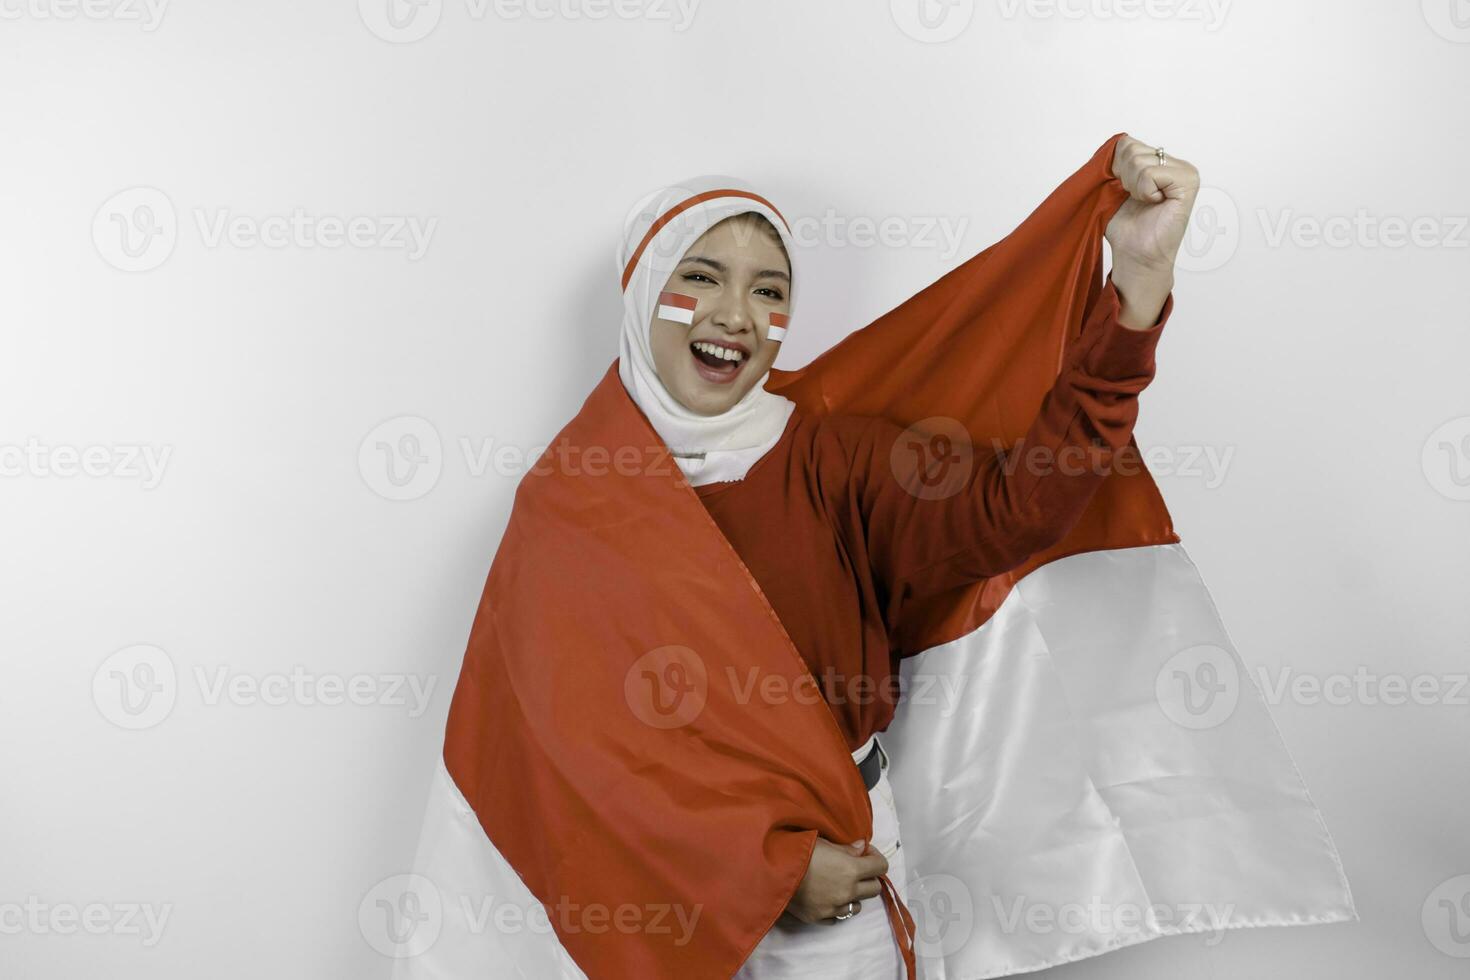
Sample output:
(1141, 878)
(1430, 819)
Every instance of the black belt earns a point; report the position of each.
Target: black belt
(872, 765)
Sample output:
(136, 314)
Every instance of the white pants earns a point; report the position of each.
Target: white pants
(860, 948)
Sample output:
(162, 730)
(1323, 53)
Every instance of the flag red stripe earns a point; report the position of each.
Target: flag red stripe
(677, 299)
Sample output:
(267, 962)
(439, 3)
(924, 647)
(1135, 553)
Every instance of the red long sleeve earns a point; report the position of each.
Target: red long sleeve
(1024, 498)
(838, 544)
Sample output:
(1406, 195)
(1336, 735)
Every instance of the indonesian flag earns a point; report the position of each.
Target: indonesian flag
(676, 307)
(779, 322)
(1102, 772)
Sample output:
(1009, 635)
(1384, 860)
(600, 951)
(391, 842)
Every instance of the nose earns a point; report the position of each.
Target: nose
(733, 314)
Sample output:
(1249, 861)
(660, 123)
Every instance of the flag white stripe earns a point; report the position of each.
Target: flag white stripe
(1057, 728)
(675, 313)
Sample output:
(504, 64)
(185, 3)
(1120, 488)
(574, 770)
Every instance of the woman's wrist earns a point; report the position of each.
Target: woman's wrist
(1142, 292)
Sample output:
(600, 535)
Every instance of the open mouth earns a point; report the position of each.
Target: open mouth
(717, 363)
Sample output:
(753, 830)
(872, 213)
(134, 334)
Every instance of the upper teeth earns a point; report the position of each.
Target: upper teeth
(715, 349)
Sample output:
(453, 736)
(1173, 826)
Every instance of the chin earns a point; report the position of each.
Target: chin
(715, 406)
(698, 397)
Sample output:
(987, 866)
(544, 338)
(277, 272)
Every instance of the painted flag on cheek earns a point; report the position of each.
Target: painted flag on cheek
(676, 307)
(779, 322)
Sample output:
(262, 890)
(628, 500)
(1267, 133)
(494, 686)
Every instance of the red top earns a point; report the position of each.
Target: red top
(827, 526)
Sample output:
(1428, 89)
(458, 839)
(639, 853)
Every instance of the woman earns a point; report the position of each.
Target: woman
(828, 495)
(639, 747)
(663, 733)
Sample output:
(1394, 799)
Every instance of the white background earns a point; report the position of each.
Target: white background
(1333, 539)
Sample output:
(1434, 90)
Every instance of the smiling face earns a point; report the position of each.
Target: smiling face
(738, 275)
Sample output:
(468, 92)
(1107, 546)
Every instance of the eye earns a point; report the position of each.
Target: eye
(697, 277)
(770, 291)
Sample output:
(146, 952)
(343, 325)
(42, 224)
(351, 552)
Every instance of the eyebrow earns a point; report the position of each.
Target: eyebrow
(720, 267)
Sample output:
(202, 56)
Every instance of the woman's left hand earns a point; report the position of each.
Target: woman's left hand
(1147, 230)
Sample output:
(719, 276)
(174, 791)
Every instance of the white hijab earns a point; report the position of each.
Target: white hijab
(656, 234)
